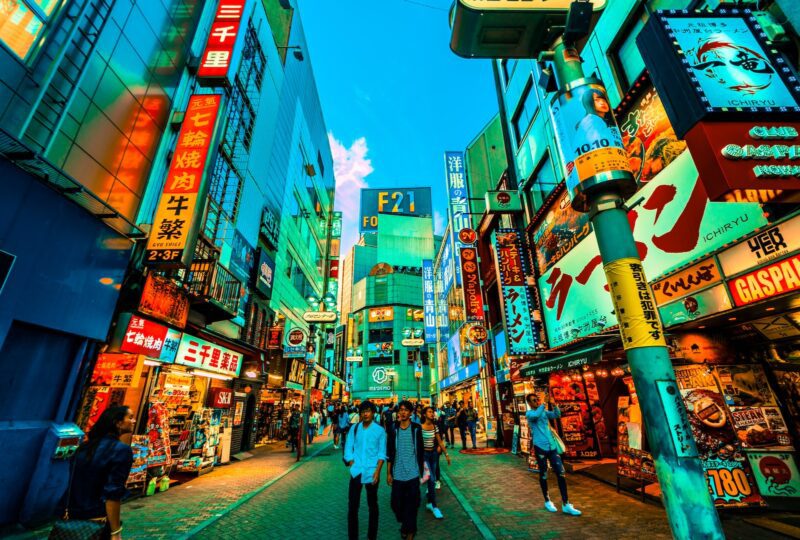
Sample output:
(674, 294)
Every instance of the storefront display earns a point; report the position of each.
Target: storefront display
(569, 393)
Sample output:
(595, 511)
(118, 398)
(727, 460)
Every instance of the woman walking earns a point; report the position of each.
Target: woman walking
(432, 445)
(101, 468)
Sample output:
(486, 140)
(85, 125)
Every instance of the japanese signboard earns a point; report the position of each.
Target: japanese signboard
(773, 280)
(275, 337)
(381, 314)
(503, 202)
(696, 305)
(516, 302)
(685, 282)
(220, 398)
(675, 224)
(767, 245)
(117, 370)
(648, 136)
(776, 473)
(559, 230)
(141, 336)
(295, 373)
(172, 237)
(428, 301)
(715, 64)
(215, 63)
(198, 353)
(470, 277)
(477, 334)
(457, 202)
(446, 265)
(398, 201)
(270, 226)
(265, 273)
(164, 300)
(633, 298)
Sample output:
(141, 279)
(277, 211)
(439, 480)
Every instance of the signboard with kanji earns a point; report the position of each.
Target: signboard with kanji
(473, 295)
(457, 200)
(141, 336)
(215, 64)
(428, 301)
(174, 230)
(515, 295)
(197, 353)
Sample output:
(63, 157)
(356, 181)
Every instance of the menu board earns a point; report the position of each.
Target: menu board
(569, 393)
(632, 461)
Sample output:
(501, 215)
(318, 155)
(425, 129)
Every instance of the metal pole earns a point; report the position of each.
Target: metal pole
(689, 507)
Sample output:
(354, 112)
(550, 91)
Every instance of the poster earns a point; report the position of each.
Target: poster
(760, 427)
(97, 400)
(708, 416)
(648, 136)
(140, 449)
(776, 473)
(632, 461)
(632, 296)
(238, 412)
(744, 385)
(158, 435)
(730, 482)
(559, 230)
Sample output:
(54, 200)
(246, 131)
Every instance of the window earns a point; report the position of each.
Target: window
(508, 66)
(543, 182)
(380, 335)
(523, 116)
(22, 22)
(320, 163)
(628, 60)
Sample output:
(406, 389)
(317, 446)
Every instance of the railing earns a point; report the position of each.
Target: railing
(215, 290)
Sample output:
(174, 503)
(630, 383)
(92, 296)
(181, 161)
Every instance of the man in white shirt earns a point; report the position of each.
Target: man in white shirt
(364, 454)
(313, 422)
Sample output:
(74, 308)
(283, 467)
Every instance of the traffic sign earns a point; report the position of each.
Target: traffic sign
(319, 316)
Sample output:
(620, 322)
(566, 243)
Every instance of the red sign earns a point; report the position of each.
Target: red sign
(296, 337)
(746, 156)
(164, 300)
(772, 280)
(172, 236)
(117, 370)
(216, 60)
(275, 337)
(470, 279)
(220, 398)
(143, 337)
(334, 269)
(467, 236)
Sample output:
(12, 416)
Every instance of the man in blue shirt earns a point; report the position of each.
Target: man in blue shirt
(545, 449)
(364, 453)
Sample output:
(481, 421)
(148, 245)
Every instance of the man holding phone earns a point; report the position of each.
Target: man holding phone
(546, 449)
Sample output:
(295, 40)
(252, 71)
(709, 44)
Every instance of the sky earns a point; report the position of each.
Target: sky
(394, 96)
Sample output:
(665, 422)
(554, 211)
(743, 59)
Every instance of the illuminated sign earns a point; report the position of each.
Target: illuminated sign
(773, 280)
(467, 236)
(763, 247)
(215, 63)
(381, 314)
(526, 5)
(164, 300)
(398, 201)
(457, 202)
(174, 230)
(708, 65)
(296, 337)
(696, 305)
(428, 301)
(265, 273)
(198, 353)
(275, 337)
(685, 282)
(477, 334)
(515, 298)
(117, 370)
(148, 338)
(470, 277)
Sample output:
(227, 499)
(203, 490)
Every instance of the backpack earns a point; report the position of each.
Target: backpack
(355, 432)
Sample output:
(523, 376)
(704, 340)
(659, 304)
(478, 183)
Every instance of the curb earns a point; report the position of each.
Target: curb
(233, 506)
(476, 520)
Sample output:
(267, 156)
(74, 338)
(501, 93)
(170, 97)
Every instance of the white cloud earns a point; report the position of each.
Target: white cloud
(438, 223)
(350, 168)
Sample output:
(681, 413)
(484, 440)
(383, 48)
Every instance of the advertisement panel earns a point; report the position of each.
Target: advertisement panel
(776, 473)
(768, 245)
(685, 282)
(215, 63)
(117, 370)
(457, 201)
(515, 299)
(470, 277)
(398, 201)
(164, 300)
(675, 224)
(381, 314)
(695, 306)
(380, 350)
(648, 136)
(428, 301)
(148, 338)
(446, 265)
(173, 234)
(559, 231)
(772, 280)
(198, 353)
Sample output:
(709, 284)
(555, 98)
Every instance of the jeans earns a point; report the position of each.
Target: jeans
(451, 438)
(293, 437)
(471, 426)
(432, 459)
(462, 429)
(312, 430)
(353, 502)
(405, 503)
(542, 457)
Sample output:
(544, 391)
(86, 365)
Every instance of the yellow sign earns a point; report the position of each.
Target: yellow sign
(602, 160)
(526, 5)
(381, 314)
(634, 304)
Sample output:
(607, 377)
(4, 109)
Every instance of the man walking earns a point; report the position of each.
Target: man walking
(294, 427)
(313, 422)
(365, 452)
(545, 449)
(450, 424)
(405, 457)
(472, 422)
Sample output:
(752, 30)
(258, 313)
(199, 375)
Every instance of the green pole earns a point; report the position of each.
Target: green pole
(684, 488)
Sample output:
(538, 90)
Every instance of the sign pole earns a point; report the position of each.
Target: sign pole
(689, 507)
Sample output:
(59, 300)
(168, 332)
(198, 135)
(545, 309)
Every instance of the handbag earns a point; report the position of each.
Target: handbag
(76, 529)
(560, 446)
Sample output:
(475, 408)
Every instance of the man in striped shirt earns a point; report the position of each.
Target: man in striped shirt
(405, 467)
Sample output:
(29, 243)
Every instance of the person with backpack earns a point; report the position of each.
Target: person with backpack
(471, 416)
(364, 455)
(546, 448)
(461, 422)
(405, 458)
(294, 426)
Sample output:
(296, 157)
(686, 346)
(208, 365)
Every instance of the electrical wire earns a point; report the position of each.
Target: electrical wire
(422, 4)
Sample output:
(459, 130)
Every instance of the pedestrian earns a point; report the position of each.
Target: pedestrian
(432, 447)
(343, 423)
(450, 421)
(365, 453)
(417, 416)
(100, 469)
(354, 416)
(294, 427)
(472, 422)
(546, 449)
(441, 423)
(461, 423)
(406, 464)
(313, 422)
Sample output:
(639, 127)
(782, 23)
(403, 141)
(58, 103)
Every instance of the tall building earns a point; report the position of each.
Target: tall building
(150, 153)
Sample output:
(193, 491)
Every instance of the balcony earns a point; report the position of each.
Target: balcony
(214, 291)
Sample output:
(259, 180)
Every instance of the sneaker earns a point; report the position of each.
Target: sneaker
(551, 507)
(429, 506)
(569, 509)
(336, 446)
(437, 513)
(438, 485)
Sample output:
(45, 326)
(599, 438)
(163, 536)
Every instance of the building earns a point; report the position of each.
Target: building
(113, 119)
(722, 329)
(385, 310)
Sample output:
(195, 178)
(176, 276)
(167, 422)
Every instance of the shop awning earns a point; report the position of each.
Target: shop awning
(584, 357)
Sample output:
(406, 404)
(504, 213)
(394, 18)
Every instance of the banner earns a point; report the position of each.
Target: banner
(631, 295)
(428, 301)
(470, 277)
(515, 298)
(457, 202)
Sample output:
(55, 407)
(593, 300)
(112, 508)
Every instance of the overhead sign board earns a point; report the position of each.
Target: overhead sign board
(319, 316)
(412, 342)
(199, 353)
(503, 202)
(215, 64)
(397, 201)
(515, 297)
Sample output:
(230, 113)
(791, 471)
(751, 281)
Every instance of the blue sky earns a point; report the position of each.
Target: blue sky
(393, 94)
